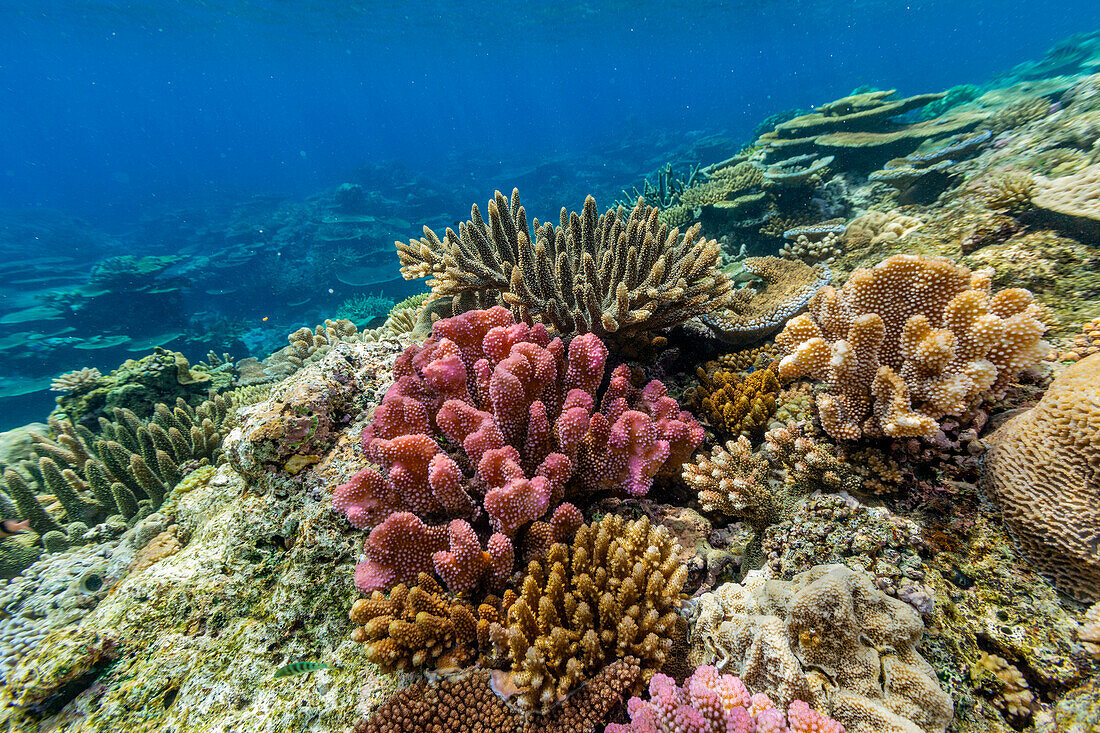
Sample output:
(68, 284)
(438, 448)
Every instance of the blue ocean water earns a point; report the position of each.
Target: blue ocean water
(139, 128)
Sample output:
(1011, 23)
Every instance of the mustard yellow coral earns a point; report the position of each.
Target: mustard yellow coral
(738, 405)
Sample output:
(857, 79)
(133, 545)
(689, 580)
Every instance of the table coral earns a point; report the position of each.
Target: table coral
(710, 701)
(1072, 200)
(829, 638)
(1041, 469)
(622, 271)
(756, 311)
(613, 593)
(524, 413)
(909, 341)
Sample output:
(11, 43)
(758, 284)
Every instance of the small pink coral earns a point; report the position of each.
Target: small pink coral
(366, 499)
(465, 566)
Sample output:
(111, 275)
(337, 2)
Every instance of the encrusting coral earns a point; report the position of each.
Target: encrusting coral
(1042, 470)
(757, 311)
(617, 272)
(614, 593)
(829, 638)
(519, 417)
(710, 701)
(909, 341)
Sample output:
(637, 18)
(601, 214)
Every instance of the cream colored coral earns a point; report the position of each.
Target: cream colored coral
(877, 227)
(1013, 697)
(827, 637)
(909, 341)
(1089, 632)
(1076, 195)
(1043, 469)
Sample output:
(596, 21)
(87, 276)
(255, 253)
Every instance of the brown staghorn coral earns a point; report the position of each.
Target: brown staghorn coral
(1043, 470)
(830, 638)
(619, 272)
(420, 626)
(757, 311)
(469, 702)
(909, 341)
(737, 405)
(612, 594)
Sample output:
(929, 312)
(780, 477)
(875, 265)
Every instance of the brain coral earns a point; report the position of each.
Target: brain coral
(1043, 469)
(830, 638)
(908, 341)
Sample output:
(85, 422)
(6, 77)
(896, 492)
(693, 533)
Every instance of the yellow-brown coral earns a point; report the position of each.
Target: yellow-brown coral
(1012, 694)
(1043, 469)
(909, 341)
(612, 594)
(736, 405)
(418, 626)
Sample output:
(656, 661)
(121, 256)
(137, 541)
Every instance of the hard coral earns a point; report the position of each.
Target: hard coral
(524, 414)
(735, 405)
(709, 701)
(828, 637)
(909, 341)
(470, 703)
(1041, 468)
(612, 594)
(619, 272)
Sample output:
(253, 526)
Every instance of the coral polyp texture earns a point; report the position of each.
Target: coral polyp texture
(517, 411)
(1042, 470)
(829, 638)
(710, 701)
(622, 271)
(613, 593)
(1072, 200)
(909, 341)
(736, 405)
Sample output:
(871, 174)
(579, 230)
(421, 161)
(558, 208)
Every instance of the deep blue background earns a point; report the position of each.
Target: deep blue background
(108, 109)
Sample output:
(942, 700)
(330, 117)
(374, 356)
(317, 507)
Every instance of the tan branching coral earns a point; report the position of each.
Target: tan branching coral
(909, 341)
(1010, 191)
(1011, 694)
(1043, 470)
(1018, 114)
(762, 488)
(619, 272)
(612, 594)
(756, 311)
(419, 626)
(830, 638)
(736, 405)
(77, 381)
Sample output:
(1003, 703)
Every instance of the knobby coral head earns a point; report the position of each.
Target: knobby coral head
(488, 428)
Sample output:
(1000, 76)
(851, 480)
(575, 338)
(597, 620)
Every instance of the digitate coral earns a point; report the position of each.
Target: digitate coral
(710, 701)
(418, 626)
(470, 702)
(735, 405)
(1010, 693)
(877, 227)
(1010, 191)
(1042, 470)
(815, 243)
(614, 593)
(602, 274)
(909, 341)
(827, 637)
(525, 417)
(756, 311)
